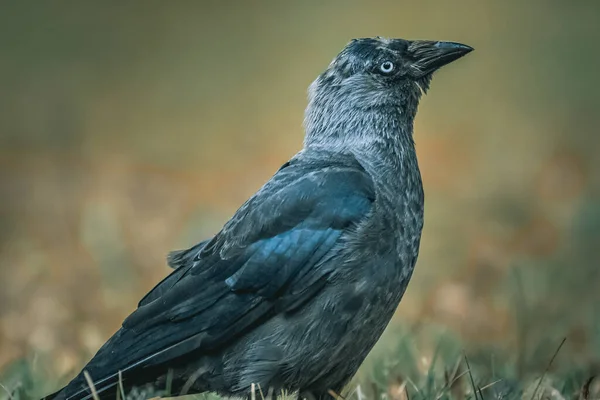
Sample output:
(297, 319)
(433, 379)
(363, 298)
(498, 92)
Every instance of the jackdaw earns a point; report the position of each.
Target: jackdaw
(293, 292)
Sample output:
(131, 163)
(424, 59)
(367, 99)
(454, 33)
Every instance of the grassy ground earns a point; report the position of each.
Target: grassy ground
(424, 362)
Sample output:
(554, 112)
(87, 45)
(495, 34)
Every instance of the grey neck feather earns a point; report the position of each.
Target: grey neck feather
(380, 134)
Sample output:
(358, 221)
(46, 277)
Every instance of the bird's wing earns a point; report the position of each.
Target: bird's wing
(177, 260)
(269, 258)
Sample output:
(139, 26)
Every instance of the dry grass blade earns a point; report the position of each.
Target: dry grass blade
(90, 383)
(169, 383)
(359, 393)
(471, 377)
(397, 391)
(521, 320)
(480, 392)
(121, 388)
(262, 396)
(548, 368)
(335, 395)
(413, 384)
(451, 379)
(352, 392)
(450, 384)
(454, 375)
(10, 396)
(253, 391)
(191, 380)
(584, 393)
(489, 385)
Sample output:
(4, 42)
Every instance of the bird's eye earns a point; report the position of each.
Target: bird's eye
(386, 67)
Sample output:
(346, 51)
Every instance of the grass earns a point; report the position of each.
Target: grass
(405, 371)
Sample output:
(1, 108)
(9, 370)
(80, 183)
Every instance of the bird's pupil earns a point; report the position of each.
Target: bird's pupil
(387, 66)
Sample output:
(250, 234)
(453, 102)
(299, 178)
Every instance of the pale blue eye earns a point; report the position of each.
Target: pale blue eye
(386, 67)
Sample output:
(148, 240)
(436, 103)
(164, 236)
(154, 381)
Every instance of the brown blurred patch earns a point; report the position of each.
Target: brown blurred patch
(444, 160)
(397, 389)
(539, 237)
(562, 176)
(456, 305)
(488, 258)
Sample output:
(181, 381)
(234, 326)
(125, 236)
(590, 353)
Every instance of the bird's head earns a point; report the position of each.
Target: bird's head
(379, 73)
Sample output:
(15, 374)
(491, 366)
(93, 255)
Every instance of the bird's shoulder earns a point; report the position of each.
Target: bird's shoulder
(314, 189)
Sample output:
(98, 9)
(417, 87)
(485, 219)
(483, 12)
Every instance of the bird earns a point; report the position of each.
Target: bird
(297, 287)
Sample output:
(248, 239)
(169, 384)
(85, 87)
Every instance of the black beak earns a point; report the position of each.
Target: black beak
(428, 56)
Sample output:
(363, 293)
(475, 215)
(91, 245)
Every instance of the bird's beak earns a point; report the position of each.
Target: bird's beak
(428, 56)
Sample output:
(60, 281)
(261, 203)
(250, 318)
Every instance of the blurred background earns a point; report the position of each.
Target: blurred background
(130, 129)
